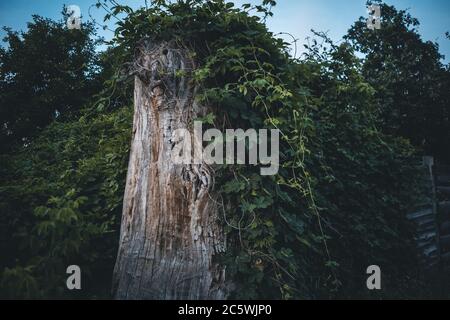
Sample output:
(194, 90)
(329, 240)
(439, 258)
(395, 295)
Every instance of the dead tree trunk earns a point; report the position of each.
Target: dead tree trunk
(169, 231)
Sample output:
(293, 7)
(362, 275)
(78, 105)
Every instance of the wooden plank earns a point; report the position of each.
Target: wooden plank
(445, 242)
(443, 180)
(420, 214)
(427, 235)
(430, 227)
(430, 250)
(443, 190)
(444, 207)
(428, 161)
(426, 204)
(441, 170)
(446, 256)
(426, 222)
(424, 243)
(445, 228)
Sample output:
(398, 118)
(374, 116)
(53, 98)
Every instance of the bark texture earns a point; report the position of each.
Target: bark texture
(169, 231)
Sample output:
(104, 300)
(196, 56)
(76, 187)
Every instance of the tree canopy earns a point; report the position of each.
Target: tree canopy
(46, 73)
(410, 80)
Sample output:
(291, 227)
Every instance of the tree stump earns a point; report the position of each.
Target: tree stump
(170, 233)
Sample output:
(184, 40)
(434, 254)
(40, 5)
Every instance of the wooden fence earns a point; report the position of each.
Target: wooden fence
(441, 175)
(432, 215)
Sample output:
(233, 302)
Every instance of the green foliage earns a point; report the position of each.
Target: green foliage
(61, 202)
(336, 206)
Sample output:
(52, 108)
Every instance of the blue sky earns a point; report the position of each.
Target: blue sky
(297, 17)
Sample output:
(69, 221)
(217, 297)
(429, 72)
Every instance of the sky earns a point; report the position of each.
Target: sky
(296, 17)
